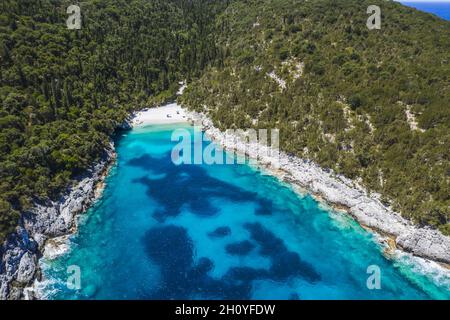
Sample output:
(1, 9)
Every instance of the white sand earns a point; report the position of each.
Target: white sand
(171, 113)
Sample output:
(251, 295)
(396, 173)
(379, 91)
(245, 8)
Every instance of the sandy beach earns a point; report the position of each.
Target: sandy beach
(171, 113)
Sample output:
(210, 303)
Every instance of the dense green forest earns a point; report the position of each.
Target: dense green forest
(64, 91)
(373, 105)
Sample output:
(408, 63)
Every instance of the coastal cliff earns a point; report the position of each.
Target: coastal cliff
(22, 250)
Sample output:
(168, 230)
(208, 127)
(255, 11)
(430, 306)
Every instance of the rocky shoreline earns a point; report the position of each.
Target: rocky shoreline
(42, 224)
(340, 192)
(47, 226)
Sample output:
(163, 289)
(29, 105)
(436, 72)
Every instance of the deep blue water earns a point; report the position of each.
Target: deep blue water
(441, 9)
(162, 231)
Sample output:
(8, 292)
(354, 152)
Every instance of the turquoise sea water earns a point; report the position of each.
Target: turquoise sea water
(162, 231)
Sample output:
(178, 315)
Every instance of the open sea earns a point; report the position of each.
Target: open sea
(440, 9)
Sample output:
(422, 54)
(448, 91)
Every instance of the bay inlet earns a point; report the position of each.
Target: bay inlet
(162, 231)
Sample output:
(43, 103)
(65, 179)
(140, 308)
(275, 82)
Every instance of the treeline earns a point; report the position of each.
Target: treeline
(373, 105)
(63, 92)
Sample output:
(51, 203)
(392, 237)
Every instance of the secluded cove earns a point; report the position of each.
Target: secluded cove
(162, 231)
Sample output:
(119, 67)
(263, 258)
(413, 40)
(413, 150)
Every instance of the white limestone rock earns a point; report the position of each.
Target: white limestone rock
(20, 253)
(27, 268)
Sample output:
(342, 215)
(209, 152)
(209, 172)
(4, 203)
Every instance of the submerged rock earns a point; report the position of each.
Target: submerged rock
(220, 232)
(240, 248)
(90, 291)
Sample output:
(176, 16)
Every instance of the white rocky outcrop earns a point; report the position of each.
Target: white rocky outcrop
(425, 240)
(27, 268)
(21, 251)
(281, 82)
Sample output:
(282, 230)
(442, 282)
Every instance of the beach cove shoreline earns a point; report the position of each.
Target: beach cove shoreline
(340, 193)
(333, 190)
(44, 230)
(427, 248)
(24, 249)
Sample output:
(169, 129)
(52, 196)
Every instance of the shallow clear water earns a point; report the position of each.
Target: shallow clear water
(162, 231)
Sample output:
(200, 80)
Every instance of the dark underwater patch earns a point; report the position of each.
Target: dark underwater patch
(187, 185)
(246, 274)
(143, 161)
(294, 296)
(184, 276)
(241, 248)
(265, 208)
(220, 232)
(270, 244)
(285, 263)
(171, 248)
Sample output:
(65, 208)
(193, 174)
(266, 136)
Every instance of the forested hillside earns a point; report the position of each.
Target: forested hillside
(373, 105)
(63, 91)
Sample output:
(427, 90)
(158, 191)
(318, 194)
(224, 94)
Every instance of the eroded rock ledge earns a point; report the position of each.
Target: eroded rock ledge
(22, 250)
(366, 208)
